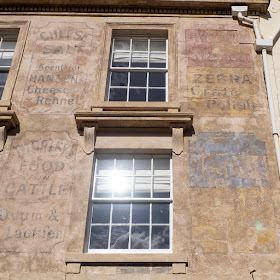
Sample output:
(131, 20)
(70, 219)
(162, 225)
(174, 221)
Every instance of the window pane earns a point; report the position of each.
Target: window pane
(101, 213)
(119, 79)
(103, 187)
(158, 46)
(8, 55)
(157, 79)
(99, 237)
(138, 45)
(162, 166)
(104, 167)
(160, 213)
(124, 166)
(118, 94)
(121, 45)
(142, 187)
(120, 60)
(156, 95)
(140, 213)
(119, 237)
(143, 167)
(3, 78)
(8, 45)
(157, 60)
(121, 213)
(1, 92)
(161, 187)
(160, 237)
(139, 60)
(138, 79)
(140, 237)
(121, 185)
(5, 62)
(137, 94)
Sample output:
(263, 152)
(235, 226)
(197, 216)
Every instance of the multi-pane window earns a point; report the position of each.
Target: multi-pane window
(131, 205)
(138, 69)
(7, 50)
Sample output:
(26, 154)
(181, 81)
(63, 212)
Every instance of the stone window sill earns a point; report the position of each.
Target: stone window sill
(125, 258)
(158, 115)
(8, 121)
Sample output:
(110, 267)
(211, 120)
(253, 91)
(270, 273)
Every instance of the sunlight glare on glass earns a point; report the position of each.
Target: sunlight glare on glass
(119, 182)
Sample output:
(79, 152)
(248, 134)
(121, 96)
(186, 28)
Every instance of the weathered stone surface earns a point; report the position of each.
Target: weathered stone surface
(179, 268)
(73, 268)
(218, 46)
(225, 184)
(57, 76)
(228, 160)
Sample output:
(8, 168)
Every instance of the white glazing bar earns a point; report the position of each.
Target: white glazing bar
(110, 226)
(128, 86)
(150, 228)
(147, 86)
(130, 224)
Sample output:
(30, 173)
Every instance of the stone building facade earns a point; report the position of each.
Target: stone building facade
(136, 142)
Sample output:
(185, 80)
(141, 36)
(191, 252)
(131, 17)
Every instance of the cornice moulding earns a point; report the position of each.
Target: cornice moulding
(132, 6)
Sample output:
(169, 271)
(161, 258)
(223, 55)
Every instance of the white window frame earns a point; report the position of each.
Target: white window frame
(130, 69)
(6, 69)
(131, 200)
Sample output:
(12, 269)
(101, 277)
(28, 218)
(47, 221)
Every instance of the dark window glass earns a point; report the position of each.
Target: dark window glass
(160, 213)
(157, 79)
(118, 94)
(119, 79)
(160, 237)
(121, 213)
(156, 95)
(3, 78)
(119, 237)
(99, 237)
(138, 79)
(101, 213)
(141, 213)
(140, 237)
(137, 94)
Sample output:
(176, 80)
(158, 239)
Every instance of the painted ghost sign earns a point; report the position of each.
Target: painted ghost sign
(228, 160)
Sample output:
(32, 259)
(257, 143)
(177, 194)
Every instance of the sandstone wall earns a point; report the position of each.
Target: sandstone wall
(226, 187)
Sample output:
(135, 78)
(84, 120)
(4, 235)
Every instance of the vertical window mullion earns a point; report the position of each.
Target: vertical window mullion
(130, 226)
(111, 210)
(110, 82)
(110, 225)
(128, 86)
(131, 205)
(130, 53)
(149, 51)
(94, 179)
(112, 56)
(151, 204)
(147, 86)
(152, 178)
(150, 227)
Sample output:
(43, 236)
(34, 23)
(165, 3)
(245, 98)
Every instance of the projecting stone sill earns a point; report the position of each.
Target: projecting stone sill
(130, 116)
(8, 121)
(133, 119)
(125, 258)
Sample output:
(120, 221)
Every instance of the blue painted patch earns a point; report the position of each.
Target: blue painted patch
(232, 160)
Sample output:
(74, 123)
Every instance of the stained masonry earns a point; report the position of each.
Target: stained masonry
(225, 181)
